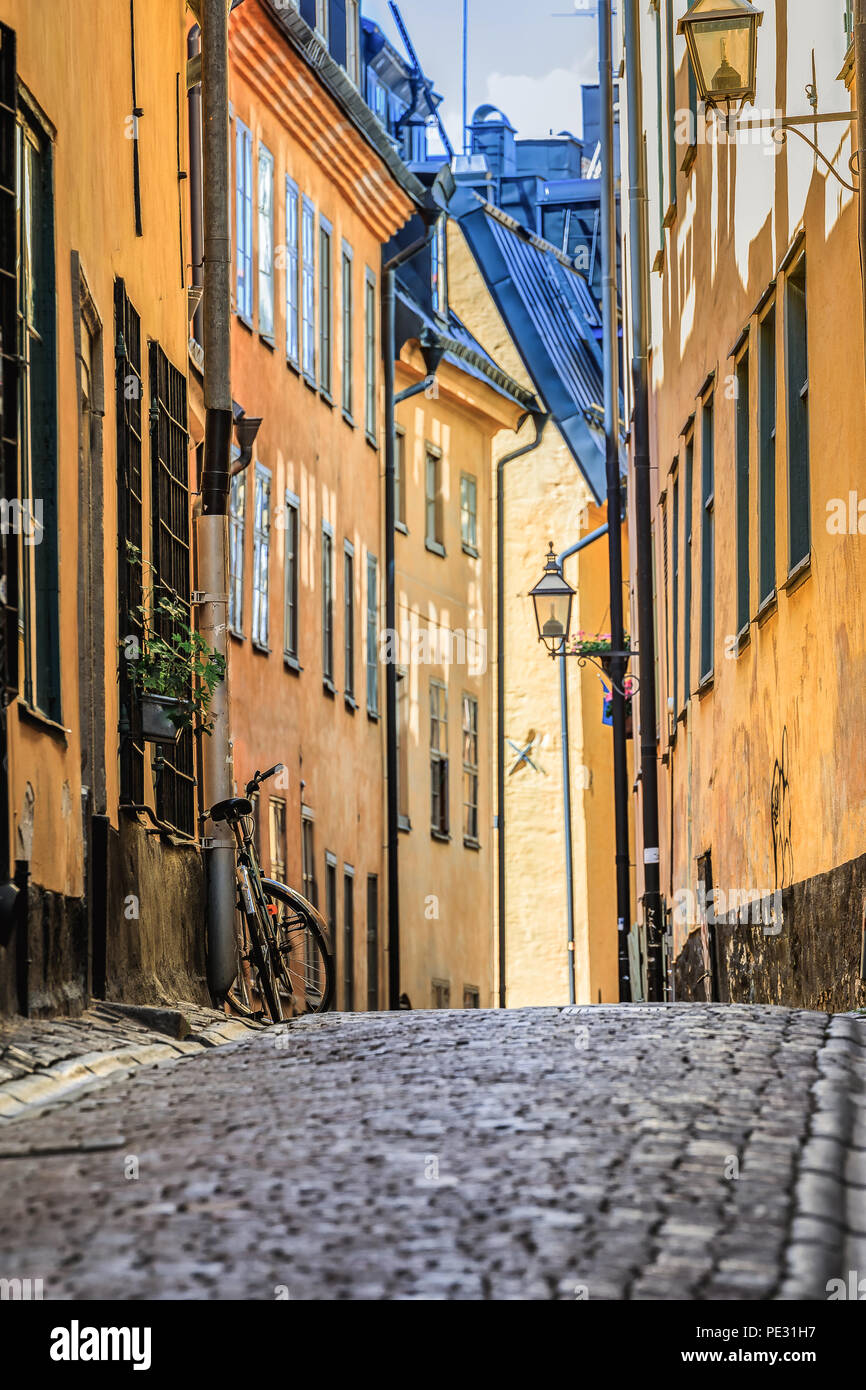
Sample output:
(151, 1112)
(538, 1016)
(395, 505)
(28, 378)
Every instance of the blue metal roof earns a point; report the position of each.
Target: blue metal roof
(550, 314)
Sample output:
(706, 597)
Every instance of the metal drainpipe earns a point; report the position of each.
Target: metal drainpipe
(642, 499)
(566, 766)
(193, 46)
(860, 96)
(211, 525)
(540, 420)
(614, 498)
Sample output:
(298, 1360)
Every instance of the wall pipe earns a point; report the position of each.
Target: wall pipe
(540, 420)
(566, 767)
(638, 250)
(860, 95)
(212, 524)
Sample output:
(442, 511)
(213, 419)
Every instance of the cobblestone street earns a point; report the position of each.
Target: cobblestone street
(612, 1153)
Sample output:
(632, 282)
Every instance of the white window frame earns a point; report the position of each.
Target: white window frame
(326, 308)
(293, 257)
(261, 556)
(349, 620)
(265, 182)
(352, 34)
(292, 588)
(328, 605)
(370, 344)
(347, 304)
(244, 222)
(308, 289)
(237, 536)
(372, 641)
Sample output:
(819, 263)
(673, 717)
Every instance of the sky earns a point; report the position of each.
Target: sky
(521, 58)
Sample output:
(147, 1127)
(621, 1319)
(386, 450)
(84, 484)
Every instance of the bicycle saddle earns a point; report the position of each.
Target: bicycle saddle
(232, 809)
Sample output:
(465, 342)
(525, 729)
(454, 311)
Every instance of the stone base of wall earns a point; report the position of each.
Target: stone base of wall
(55, 976)
(813, 963)
(154, 928)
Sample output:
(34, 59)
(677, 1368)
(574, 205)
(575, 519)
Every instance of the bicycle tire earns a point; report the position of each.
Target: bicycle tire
(261, 958)
(313, 986)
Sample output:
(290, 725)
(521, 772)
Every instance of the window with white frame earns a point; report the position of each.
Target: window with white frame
(470, 770)
(469, 513)
(372, 635)
(244, 220)
(261, 555)
(370, 355)
(352, 39)
(349, 617)
(325, 309)
(237, 509)
(439, 268)
(266, 242)
(348, 309)
(293, 328)
(308, 287)
(439, 824)
(328, 605)
(290, 621)
(277, 827)
(322, 7)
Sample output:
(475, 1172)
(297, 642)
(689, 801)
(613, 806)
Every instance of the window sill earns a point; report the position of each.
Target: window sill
(371, 440)
(435, 548)
(658, 264)
(373, 715)
(349, 418)
(350, 702)
(471, 551)
(441, 835)
(671, 215)
(329, 688)
(706, 684)
(798, 575)
(404, 824)
(291, 663)
(744, 638)
(311, 383)
(767, 608)
(401, 527)
(469, 843)
(326, 397)
(247, 323)
(34, 716)
(293, 365)
(268, 340)
(237, 634)
(261, 647)
(689, 158)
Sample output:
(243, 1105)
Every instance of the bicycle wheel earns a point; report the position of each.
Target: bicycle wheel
(254, 993)
(305, 966)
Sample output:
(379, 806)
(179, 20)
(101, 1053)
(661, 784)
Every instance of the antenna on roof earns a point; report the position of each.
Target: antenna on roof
(419, 72)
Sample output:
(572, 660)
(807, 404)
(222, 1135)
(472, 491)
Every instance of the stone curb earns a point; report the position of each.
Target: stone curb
(64, 1079)
(830, 1191)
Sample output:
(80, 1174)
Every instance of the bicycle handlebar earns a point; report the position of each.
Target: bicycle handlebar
(258, 777)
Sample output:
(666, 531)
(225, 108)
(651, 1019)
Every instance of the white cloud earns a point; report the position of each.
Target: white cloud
(537, 105)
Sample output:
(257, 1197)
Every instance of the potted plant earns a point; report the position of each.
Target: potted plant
(628, 692)
(174, 670)
(596, 644)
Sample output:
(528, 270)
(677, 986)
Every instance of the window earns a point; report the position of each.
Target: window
(290, 621)
(244, 220)
(403, 749)
(308, 858)
(377, 97)
(372, 942)
(400, 478)
(370, 356)
(439, 823)
(37, 411)
(328, 606)
(688, 522)
(331, 909)
(292, 266)
(470, 770)
(433, 500)
(322, 17)
(767, 455)
(308, 288)
(671, 100)
(799, 508)
(469, 513)
(352, 39)
(675, 597)
(372, 636)
(441, 994)
(170, 555)
(266, 243)
(348, 938)
(471, 997)
(849, 23)
(237, 508)
(278, 838)
(348, 331)
(439, 268)
(349, 617)
(130, 529)
(325, 308)
(261, 556)
(707, 534)
(743, 471)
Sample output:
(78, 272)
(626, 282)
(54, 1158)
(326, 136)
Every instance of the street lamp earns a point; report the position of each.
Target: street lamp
(553, 597)
(722, 39)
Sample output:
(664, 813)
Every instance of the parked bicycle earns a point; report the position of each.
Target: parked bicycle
(285, 967)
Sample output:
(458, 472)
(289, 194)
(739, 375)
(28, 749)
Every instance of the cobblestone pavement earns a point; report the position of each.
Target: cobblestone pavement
(643, 1152)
